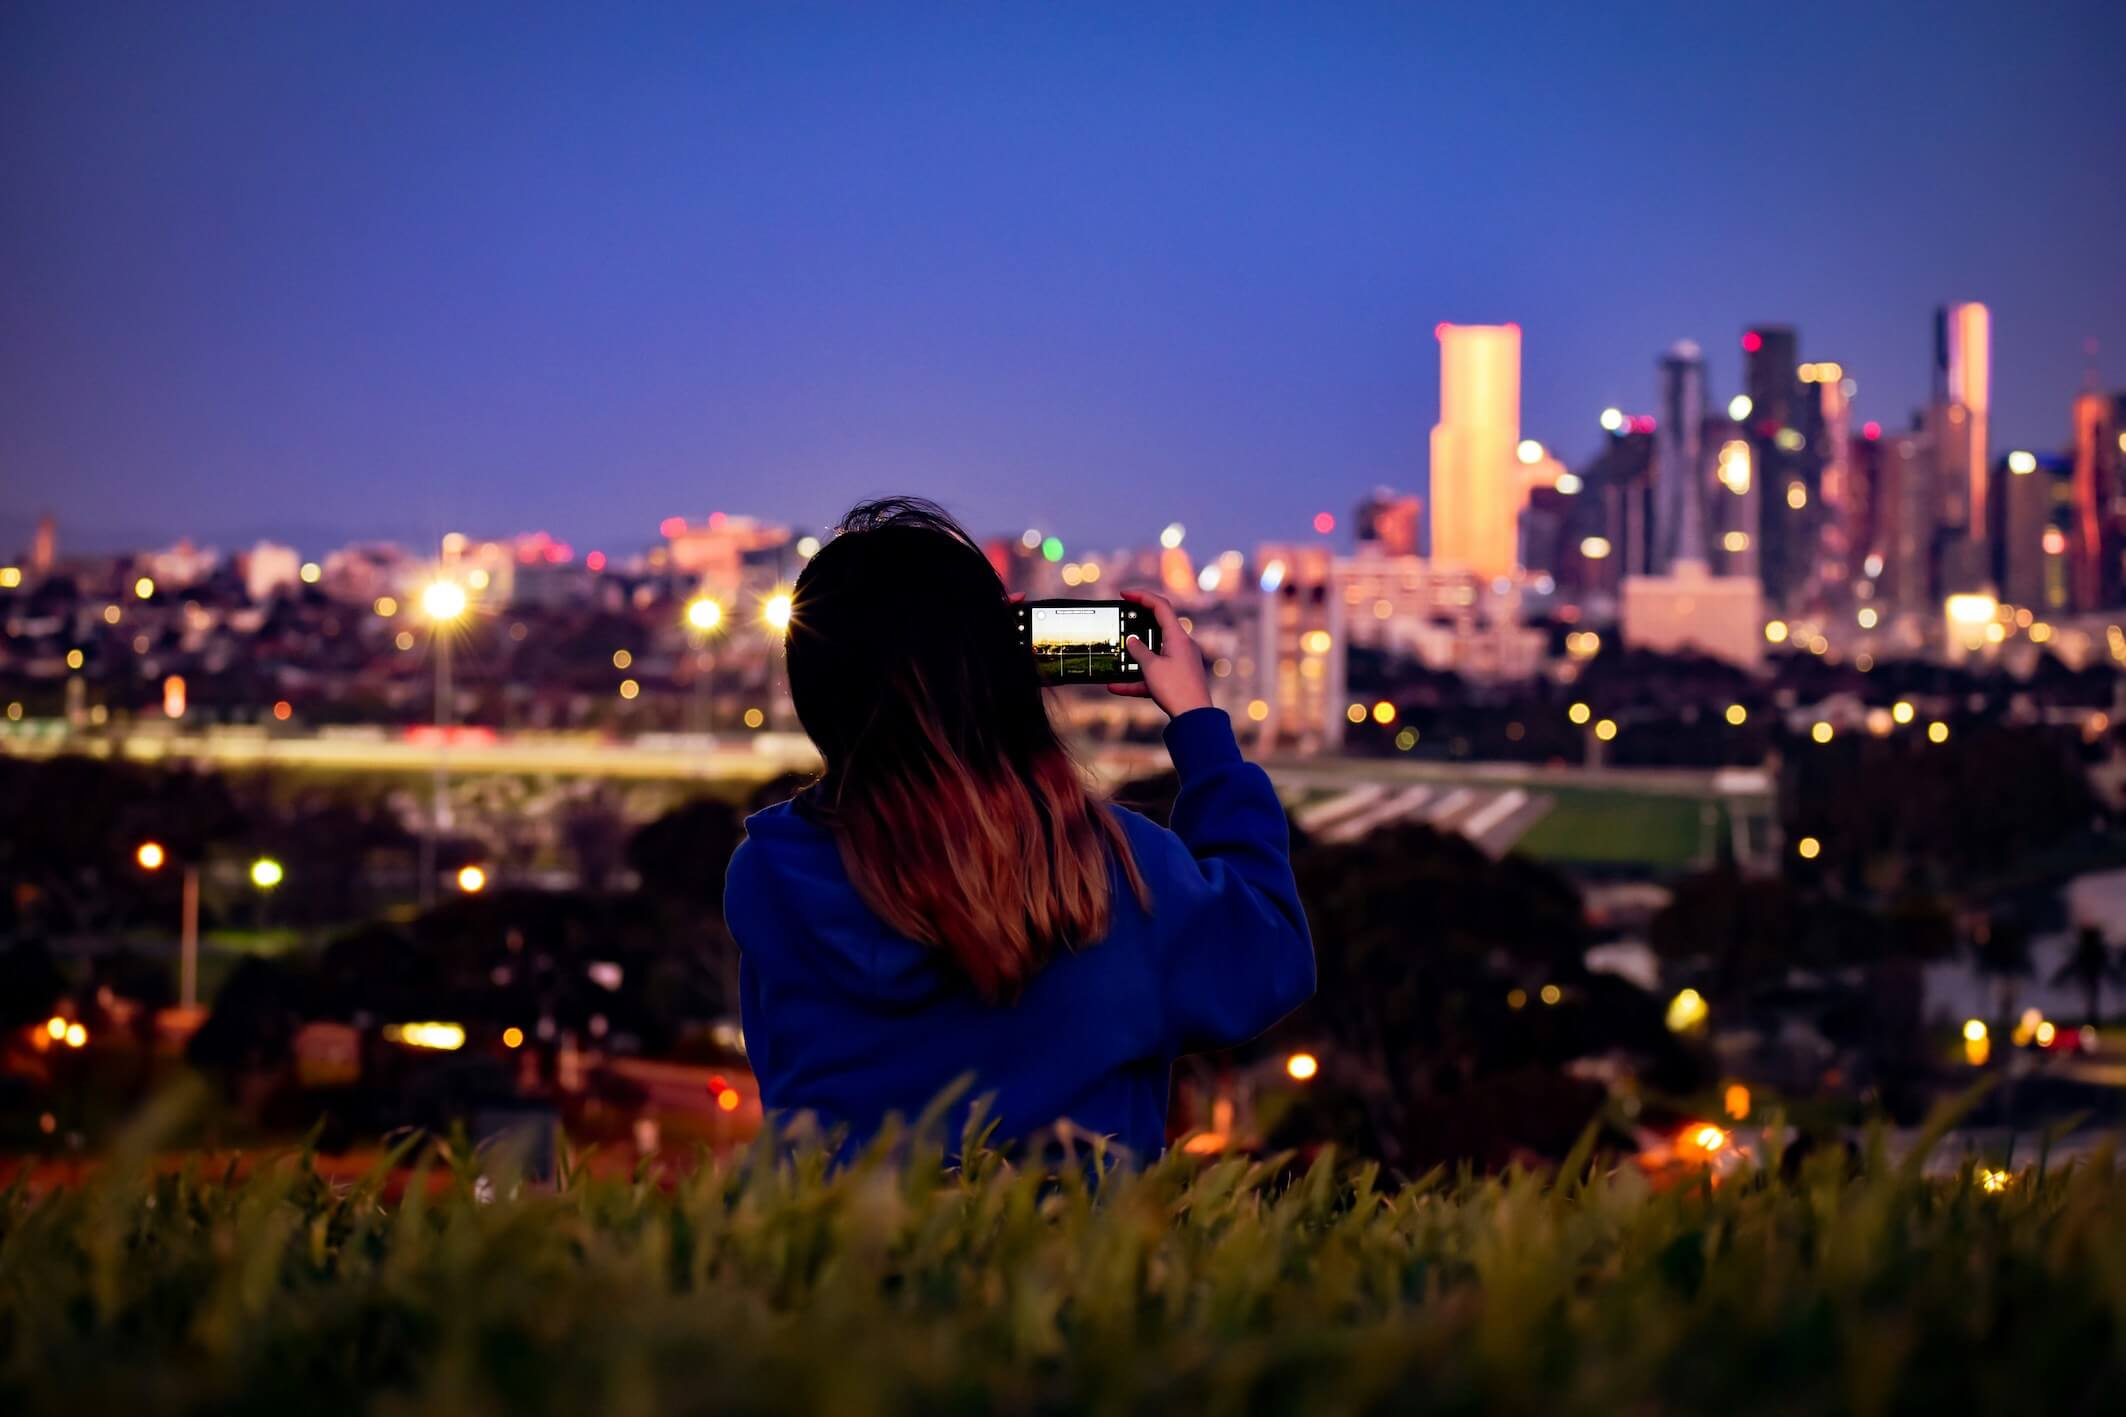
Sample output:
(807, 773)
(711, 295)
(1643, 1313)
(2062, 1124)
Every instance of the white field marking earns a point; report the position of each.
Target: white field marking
(1400, 806)
(1451, 806)
(1320, 814)
(1497, 810)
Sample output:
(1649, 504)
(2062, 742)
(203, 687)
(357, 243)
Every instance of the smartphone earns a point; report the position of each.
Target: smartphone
(1081, 641)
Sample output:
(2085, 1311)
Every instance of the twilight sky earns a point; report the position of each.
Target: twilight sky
(324, 270)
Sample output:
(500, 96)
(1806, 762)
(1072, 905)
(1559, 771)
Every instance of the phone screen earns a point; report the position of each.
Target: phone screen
(1082, 641)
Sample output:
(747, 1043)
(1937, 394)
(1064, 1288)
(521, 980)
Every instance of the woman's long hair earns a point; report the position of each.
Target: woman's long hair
(961, 817)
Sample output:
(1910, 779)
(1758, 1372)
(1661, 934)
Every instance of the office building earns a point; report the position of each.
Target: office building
(269, 568)
(725, 551)
(1299, 663)
(44, 547)
(1477, 483)
(1964, 360)
(1907, 508)
(2034, 499)
(1679, 458)
(1837, 556)
(1690, 610)
(2098, 458)
(1390, 521)
(1781, 423)
(1445, 617)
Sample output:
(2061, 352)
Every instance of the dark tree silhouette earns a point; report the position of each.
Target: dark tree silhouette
(2091, 964)
(2000, 951)
(683, 854)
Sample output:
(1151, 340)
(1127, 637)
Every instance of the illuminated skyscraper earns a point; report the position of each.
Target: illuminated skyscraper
(2098, 457)
(44, 551)
(1832, 456)
(1679, 459)
(1965, 344)
(1478, 486)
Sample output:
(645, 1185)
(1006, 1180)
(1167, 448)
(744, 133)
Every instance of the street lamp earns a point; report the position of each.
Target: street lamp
(704, 613)
(443, 601)
(775, 611)
(266, 873)
(153, 856)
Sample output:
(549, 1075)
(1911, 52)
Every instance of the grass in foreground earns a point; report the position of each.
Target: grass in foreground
(770, 1285)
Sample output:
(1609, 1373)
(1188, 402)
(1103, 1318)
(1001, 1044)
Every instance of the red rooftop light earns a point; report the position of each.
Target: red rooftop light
(1752, 341)
(1324, 522)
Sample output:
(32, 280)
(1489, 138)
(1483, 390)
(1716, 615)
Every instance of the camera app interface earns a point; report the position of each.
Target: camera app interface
(1079, 642)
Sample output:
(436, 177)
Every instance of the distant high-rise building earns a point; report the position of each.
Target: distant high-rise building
(727, 552)
(268, 568)
(1608, 533)
(2098, 456)
(44, 549)
(1781, 427)
(1679, 458)
(1864, 492)
(1734, 518)
(2034, 497)
(1906, 514)
(1832, 452)
(1478, 486)
(1299, 663)
(1388, 521)
(1964, 367)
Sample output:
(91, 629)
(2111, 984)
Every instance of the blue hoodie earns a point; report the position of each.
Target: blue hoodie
(848, 1020)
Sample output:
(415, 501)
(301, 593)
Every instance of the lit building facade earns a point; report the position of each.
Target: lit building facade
(2099, 456)
(1966, 362)
(1691, 609)
(1299, 662)
(1478, 487)
(2035, 500)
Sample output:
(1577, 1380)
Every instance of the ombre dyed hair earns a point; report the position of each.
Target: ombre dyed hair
(962, 819)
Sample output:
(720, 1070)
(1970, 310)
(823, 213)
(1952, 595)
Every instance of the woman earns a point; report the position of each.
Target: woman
(950, 899)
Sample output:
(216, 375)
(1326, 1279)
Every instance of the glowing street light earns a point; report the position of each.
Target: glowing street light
(1686, 1011)
(1302, 1067)
(266, 873)
(1739, 407)
(443, 601)
(471, 880)
(1171, 537)
(703, 614)
(775, 611)
(443, 1037)
(151, 856)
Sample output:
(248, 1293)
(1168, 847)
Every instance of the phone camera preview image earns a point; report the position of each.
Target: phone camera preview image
(1082, 641)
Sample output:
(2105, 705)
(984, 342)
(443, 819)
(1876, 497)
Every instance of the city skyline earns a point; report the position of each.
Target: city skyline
(587, 277)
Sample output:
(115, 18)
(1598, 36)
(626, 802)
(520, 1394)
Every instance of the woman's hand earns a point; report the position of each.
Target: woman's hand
(1173, 678)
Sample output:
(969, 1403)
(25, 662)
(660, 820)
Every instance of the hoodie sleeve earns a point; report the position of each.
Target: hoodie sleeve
(1237, 953)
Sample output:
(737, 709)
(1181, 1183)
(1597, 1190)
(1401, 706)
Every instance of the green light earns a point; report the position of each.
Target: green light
(1052, 548)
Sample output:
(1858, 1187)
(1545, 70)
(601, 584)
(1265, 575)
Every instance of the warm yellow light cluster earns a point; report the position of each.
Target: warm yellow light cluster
(444, 1037)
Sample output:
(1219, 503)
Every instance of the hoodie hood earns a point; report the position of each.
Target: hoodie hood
(788, 878)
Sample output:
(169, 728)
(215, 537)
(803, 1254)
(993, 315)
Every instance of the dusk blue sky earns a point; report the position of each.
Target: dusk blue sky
(322, 270)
